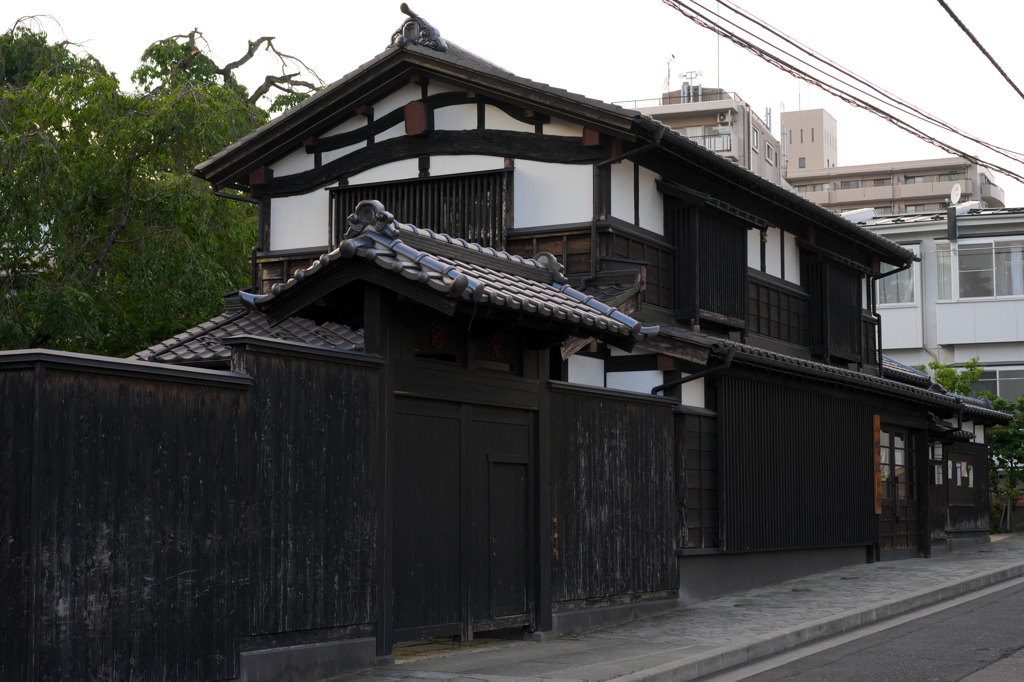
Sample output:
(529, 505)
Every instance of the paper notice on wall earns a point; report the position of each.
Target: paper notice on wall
(949, 465)
(970, 476)
(938, 474)
(959, 474)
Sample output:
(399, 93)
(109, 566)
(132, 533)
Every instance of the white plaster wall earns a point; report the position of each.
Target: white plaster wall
(450, 165)
(437, 87)
(563, 128)
(980, 322)
(396, 100)
(989, 352)
(692, 393)
(586, 370)
(299, 222)
(347, 126)
(552, 193)
(327, 157)
(456, 117)
(496, 119)
(296, 162)
(622, 191)
(637, 382)
(901, 327)
(652, 204)
(754, 249)
(979, 434)
(792, 258)
(396, 170)
(392, 132)
(773, 252)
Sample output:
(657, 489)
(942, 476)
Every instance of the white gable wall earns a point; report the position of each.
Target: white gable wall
(299, 222)
(552, 193)
(623, 205)
(652, 205)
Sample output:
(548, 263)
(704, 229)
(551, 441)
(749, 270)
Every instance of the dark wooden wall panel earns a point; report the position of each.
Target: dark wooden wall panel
(159, 520)
(795, 466)
(16, 420)
(613, 496)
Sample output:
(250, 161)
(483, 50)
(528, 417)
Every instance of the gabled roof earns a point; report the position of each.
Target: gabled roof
(406, 58)
(459, 271)
(203, 345)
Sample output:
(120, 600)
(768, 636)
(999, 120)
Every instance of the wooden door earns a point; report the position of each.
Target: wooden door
(462, 540)
(898, 523)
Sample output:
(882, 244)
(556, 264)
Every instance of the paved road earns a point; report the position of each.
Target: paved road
(979, 640)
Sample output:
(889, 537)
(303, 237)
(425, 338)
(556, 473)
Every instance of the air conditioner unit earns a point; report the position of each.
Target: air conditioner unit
(724, 118)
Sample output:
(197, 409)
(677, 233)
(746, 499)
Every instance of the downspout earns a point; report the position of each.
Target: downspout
(597, 188)
(256, 249)
(718, 350)
(874, 308)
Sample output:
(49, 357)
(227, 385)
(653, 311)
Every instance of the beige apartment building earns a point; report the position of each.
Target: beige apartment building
(891, 188)
(722, 122)
(897, 187)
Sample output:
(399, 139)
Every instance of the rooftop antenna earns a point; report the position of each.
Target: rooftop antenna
(668, 73)
(691, 76)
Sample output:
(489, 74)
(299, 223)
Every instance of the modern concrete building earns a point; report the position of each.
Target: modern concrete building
(811, 136)
(897, 187)
(722, 122)
(964, 298)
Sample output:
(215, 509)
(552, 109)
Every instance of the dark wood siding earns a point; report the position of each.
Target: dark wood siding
(697, 483)
(613, 496)
(777, 309)
(174, 514)
(795, 466)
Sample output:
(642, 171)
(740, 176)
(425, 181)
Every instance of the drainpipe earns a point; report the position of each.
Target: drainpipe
(597, 188)
(718, 350)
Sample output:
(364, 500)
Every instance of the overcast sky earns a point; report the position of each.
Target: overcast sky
(620, 50)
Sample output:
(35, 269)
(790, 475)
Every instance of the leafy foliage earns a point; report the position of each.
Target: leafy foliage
(959, 381)
(108, 244)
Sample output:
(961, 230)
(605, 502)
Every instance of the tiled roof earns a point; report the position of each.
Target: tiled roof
(203, 344)
(908, 375)
(464, 271)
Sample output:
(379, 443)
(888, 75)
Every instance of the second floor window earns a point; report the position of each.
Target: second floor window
(980, 269)
(898, 288)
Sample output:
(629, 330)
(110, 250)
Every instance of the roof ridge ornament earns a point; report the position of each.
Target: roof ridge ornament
(370, 214)
(418, 31)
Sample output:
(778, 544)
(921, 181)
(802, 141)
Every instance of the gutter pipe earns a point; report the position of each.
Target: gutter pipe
(718, 350)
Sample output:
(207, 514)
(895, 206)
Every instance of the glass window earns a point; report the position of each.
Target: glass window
(1006, 383)
(944, 270)
(693, 131)
(898, 288)
(1009, 268)
(882, 182)
(802, 161)
(849, 184)
(913, 179)
(975, 269)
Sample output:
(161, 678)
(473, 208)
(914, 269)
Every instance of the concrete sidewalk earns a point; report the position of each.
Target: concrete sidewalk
(698, 640)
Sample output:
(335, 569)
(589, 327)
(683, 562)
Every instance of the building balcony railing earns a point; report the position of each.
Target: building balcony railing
(714, 143)
(672, 98)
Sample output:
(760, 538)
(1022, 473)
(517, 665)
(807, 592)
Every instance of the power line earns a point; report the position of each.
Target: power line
(980, 47)
(705, 21)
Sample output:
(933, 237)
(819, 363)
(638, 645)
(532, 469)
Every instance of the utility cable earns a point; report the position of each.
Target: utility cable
(708, 23)
(980, 47)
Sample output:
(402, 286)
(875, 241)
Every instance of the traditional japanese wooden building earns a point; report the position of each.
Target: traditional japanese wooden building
(513, 359)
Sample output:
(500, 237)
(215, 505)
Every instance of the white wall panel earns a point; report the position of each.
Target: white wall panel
(392, 132)
(332, 155)
(901, 327)
(296, 162)
(450, 165)
(299, 222)
(754, 249)
(496, 119)
(792, 257)
(347, 126)
(563, 128)
(435, 87)
(552, 194)
(622, 191)
(638, 382)
(692, 393)
(396, 170)
(773, 251)
(457, 117)
(652, 204)
(586, 370)
(396, 100)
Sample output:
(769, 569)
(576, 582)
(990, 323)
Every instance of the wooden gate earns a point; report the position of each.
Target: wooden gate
(463, 546)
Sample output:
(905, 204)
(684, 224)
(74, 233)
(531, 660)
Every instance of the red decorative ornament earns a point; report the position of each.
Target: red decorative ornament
(437, 339)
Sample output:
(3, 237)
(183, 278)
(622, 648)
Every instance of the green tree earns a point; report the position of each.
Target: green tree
(959, 381)
(107, 242)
